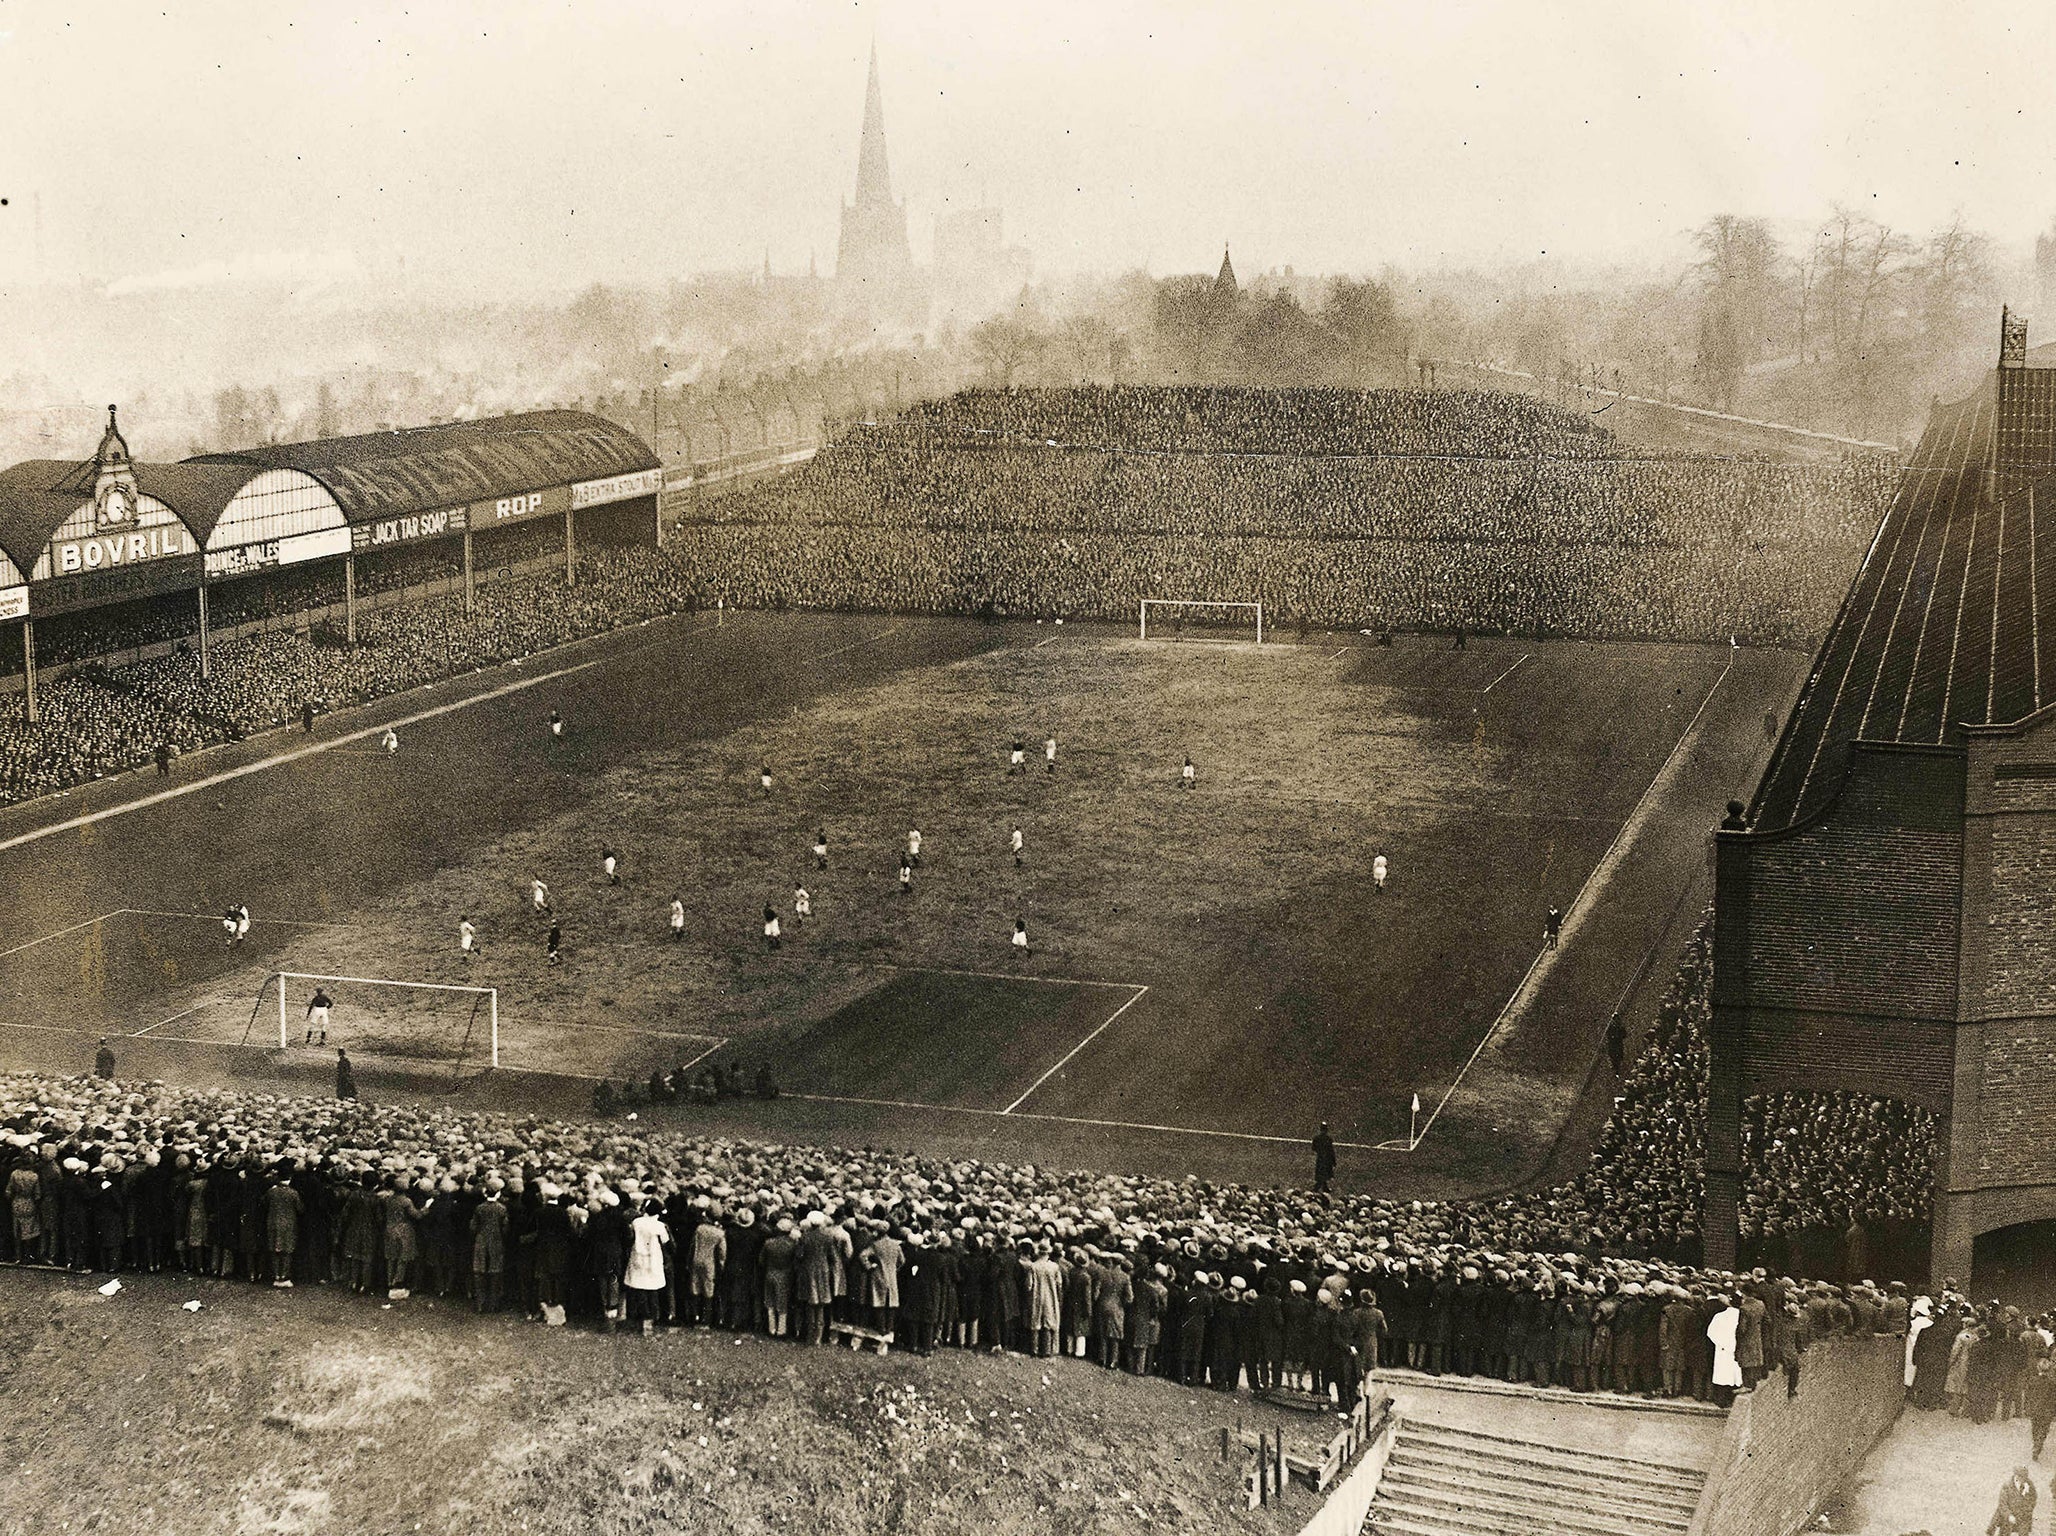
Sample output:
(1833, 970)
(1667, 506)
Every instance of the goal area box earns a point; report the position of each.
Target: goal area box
(1183, 618)
(423, 1020)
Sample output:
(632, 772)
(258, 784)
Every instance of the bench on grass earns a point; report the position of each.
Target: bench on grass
(859, 1336)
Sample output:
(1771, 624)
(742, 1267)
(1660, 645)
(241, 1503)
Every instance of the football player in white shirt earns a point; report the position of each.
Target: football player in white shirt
(764, 777)
(1378, 868)
(1186, 776)
(538, 894)
(1049, 752)
(390, 741)
(1016, 842)
(677, 918)
(802, 904)
(467, 939)
(242, 922)
(610, 867)
(914, 849)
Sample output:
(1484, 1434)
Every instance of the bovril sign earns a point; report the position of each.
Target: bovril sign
(69, 557)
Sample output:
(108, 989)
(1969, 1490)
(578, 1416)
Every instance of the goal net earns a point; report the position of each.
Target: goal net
(421, 1020)
(1194, 619)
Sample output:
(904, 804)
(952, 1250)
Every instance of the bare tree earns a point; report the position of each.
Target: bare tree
(1003, 348)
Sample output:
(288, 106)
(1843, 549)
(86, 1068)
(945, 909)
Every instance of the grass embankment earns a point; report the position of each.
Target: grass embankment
(305, 1413)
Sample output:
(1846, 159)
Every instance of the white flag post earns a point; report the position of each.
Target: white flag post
(1412, 1137)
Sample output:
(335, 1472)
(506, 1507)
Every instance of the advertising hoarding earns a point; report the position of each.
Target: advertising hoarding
(266, 553)
(409, 528)
(598, 493)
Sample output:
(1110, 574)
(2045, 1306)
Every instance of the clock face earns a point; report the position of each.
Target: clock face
(117, 505)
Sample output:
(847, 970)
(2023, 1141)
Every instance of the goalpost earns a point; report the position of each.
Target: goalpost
(1181, 602)
(487, 998)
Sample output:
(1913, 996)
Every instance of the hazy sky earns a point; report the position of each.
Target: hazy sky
(522, 144)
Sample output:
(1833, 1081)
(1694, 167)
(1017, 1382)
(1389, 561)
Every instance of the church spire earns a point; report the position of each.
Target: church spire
(874, 175)
(873, 247)
(1224, 280)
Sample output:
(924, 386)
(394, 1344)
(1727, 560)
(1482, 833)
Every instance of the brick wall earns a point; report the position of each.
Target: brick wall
(2017, 1102)
(1856, 912)
(1780, 1458)
(1909, 1059)
(2020, 923)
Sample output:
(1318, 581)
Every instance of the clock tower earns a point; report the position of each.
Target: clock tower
(115, 496)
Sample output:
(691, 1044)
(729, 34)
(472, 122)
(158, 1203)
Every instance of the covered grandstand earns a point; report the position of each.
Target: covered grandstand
(1886, 909)
(107, 531)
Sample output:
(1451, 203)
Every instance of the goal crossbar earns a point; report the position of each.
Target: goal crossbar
(490, 994)
(1198, 602)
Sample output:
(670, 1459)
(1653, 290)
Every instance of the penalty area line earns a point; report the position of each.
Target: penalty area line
(215, 917)
(60, 933)
(632, 1029)
(1048, 981)
(1108, 1125)
(212, 1002)
(1140, 993)
(1509, 672)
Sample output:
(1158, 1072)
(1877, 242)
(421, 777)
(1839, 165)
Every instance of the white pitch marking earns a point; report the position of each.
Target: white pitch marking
(1581, 904)
(255, 922)
(1048, 981)
(277, 759)
(1504, 675)
(890, 629)
(631, 1029)
(1140, 992)
(51, 1029)
(1112, 1125)
(703, 1055)
(211, 1002)
(60, 933)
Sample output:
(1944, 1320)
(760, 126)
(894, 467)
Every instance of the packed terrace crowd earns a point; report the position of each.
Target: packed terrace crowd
(1435, 511)
(1147, 418)
(1443, 512)
(1593, 1285)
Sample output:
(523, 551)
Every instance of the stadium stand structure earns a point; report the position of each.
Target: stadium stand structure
(112, 531)
(1885, 921)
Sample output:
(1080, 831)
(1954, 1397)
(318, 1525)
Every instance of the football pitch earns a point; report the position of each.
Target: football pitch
(1211, 961)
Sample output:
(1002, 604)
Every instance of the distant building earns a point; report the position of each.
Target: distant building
(872, 258)
(1226, 289)
(975, 268)
(2045, 279)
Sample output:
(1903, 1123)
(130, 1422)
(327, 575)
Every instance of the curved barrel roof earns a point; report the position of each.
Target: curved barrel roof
(377, 475)
(381, 474)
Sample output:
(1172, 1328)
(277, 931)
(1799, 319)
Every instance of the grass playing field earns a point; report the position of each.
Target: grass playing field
(1212, 960)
